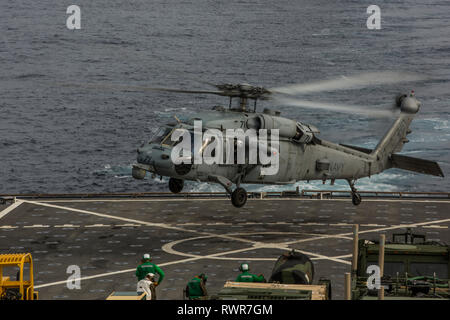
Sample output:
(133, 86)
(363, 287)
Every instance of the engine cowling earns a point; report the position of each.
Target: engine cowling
(287, 128)
(291, 129)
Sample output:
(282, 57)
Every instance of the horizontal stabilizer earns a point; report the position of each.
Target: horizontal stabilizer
(408, 163)
(416, 165)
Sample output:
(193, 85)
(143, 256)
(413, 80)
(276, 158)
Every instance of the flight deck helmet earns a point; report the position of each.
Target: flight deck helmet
(244, 267)
(146, 257)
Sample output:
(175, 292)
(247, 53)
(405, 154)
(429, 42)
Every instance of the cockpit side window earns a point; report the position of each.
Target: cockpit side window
(299, 132)
(304, 134)
(167, 141)
(160, 135)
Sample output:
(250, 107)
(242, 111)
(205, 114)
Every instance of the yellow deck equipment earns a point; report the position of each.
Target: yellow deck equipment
(24, 288)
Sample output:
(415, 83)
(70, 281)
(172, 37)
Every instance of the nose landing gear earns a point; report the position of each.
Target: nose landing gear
(356, 197)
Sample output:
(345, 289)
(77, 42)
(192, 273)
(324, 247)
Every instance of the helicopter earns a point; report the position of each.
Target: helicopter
(301, 153)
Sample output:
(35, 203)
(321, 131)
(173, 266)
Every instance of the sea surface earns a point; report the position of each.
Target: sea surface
(58, 139)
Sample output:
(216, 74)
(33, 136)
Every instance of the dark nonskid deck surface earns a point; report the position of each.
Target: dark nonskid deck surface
(106, 238)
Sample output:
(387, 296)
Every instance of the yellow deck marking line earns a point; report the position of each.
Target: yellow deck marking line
(4, 212)
(97, 225)
(66, 226)
(37, 226)
(436, 227)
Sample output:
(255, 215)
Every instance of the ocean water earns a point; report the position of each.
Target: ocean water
(67, 139)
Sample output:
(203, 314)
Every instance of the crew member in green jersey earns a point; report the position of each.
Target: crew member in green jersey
(246, 276)
(147, 267)
(196, 287)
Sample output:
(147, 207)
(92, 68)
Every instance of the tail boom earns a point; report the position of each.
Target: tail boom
(384, 155)
(395, 138)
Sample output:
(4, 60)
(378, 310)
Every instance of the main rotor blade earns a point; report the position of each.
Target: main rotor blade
(202, 81)
(136, 88)
(335, 107)
(350, 82)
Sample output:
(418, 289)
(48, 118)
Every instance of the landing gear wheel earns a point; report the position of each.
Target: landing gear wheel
(176, 185)
(356, 199)
(239, 197)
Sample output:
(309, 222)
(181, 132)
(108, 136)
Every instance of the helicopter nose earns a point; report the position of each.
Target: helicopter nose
(143, 158)
(144, 155)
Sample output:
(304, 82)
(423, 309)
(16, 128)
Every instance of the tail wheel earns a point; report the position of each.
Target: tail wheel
(176, 185)
(239, 197)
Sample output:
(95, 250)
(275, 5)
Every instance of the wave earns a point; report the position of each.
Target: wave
(438, 124)
(29, 76)
(118, 171)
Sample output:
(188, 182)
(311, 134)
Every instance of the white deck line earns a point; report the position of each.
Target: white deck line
(10, 208)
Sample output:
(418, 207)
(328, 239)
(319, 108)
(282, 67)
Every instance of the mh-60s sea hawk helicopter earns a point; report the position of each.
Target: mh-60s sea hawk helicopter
(302, 154)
